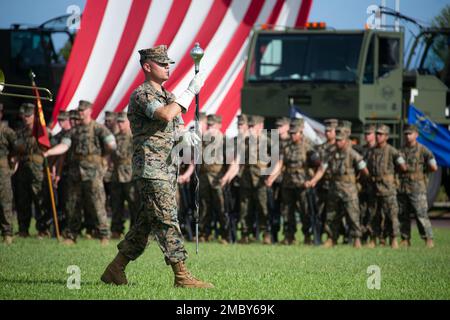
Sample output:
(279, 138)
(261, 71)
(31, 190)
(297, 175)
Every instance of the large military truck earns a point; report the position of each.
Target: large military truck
(358, 75)
(37, 48)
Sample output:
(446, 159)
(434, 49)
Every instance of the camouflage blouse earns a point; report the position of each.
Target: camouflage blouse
(417, 159)
(153, 139)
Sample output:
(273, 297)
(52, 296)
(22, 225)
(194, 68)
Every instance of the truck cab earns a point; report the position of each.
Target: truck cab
(357, 75)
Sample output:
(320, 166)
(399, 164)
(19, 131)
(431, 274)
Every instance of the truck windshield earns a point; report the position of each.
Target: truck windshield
(306, 57)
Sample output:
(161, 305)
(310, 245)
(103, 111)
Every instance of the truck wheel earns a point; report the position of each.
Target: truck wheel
(434, 185)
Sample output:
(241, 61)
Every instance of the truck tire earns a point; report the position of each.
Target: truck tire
(434, 184)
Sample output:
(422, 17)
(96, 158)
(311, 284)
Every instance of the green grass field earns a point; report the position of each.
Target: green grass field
(37, 269)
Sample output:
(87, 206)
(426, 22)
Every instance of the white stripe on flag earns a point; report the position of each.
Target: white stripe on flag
(154, 21)
(103, 52)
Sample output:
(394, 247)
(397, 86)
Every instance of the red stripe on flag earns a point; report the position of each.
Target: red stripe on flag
(204, 36)
(135, 21)
(168, 32)
(303, 15)
(275, 12)
(228, 56)
(232, 101)
(83, 45)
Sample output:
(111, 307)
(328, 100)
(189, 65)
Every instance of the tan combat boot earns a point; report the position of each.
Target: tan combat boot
(429, 243)
(267, 238)
(104, 241)
(7, 240)
(405, 243)
(329, 243)
(372, 243)
(244, 240)
(394, 243)
(68, 242)
(184, 279)
(357, 243)
(223, 241)
(115, 271)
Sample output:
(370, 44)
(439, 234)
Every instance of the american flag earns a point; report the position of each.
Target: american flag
(104, 63)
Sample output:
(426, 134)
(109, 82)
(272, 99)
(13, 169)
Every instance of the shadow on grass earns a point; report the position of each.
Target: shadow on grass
(62, 282)
(43, 281)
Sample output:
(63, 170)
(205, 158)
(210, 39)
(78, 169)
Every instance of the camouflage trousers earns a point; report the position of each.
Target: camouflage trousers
(30, 186)
(157, 215)
(366, 209)
(338, 208)
(6, 202)
(384, 217)
(121, 192)
(212, 206)
(87, 196)
(322, 196)
(254, 209)
(414, 203)
(294, 200)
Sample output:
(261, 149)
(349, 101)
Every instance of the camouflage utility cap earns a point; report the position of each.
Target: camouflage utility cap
(254, 120)
(109, 115)
(410, 128)
(121, 117)
(382, 128)
(63, 115)
(27, 109)
(296, 125)
(83, 105)
(369, 128)
(202, 116)
(330, 123)
(74, 115)
(282, 121)
(242, 119)
(341, 133)
(347, 125)
(157, 54)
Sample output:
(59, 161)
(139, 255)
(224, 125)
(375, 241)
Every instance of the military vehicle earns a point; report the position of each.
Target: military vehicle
(358, 75)
(34, 48)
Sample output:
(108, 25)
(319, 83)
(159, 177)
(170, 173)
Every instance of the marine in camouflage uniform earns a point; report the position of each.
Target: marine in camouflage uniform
(324, 151)
(366, 203)
(7, 140)
(112, 125)
(212, 202)
(412, 196)
(231, 179)
(29, 179)
(295, 170)
(343, 165)
(382, 162)
(154, 114)
(122, 186)
(85, 143)
(254, 209)
(60, 165)
(282, 125)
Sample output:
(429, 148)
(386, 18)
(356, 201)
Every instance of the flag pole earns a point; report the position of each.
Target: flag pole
(46, 166)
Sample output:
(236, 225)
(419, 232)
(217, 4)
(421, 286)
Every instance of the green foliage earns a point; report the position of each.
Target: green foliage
(443, 19)
(36, 269)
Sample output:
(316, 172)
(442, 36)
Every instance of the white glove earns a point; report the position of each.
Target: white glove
(185, 99)
(190, 138)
